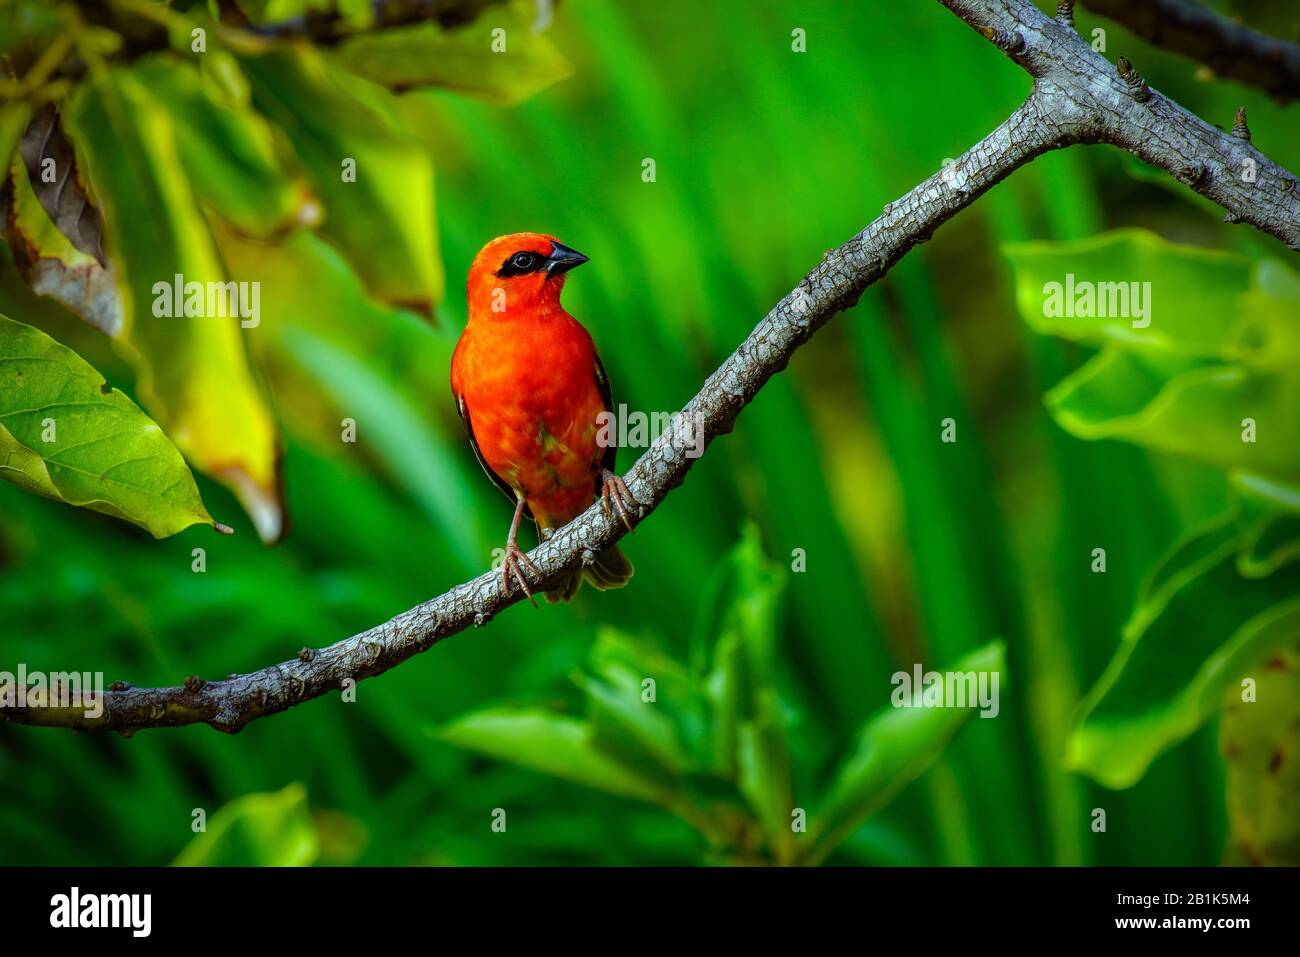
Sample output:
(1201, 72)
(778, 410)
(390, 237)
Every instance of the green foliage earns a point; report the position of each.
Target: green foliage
(550, 743)
(889, 751)
(1194, 291)
(322, 357)
(734, 781)
(427, 54)
(226, 148)
(257, 830)
(66, 435)
(232, 130)
(1199, 624)
(1212, 356)
(192, 369)
(1210, 377)
(375, 179)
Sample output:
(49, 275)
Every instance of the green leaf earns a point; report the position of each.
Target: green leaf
(103, 453)
(384, 220)
(1266, 332)
(1193, 292)
(749, 612)
(754, 602)
(763, 773)
(553, 744)
(1270, 510)
(894, 747)
(257, 830)
(623, 720)
(725, 687)
(1183, 406)
(193, 374)
(463, 58)
(741, 671)
(227, 150)
(1166, 385)
(1199, 625)
(1262, 494)
(52, 266)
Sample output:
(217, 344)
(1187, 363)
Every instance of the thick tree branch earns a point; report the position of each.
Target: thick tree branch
(1077, 97)
(1232, 50)
(1101, 103)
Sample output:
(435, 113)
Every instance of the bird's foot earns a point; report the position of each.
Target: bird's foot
(614, 489)
(512, 566)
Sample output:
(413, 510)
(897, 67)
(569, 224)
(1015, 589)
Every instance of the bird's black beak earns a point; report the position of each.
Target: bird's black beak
(562, 259)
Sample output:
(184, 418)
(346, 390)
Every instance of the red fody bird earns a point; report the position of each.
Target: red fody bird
(530, 388)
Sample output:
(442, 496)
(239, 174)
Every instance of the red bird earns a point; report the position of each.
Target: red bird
(530, 387)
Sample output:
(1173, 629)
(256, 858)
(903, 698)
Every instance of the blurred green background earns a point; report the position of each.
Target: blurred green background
(916, 550)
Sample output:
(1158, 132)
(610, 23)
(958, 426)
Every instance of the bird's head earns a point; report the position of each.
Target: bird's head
(519, 271)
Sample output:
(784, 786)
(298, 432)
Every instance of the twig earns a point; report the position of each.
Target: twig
(1077, 97)
(1230, 49)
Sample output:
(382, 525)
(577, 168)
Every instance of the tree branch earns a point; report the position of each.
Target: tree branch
(1100, 103)
(1077, 97)
(1230, 49)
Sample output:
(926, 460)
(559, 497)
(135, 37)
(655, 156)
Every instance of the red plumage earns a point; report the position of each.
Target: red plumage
(530, 388)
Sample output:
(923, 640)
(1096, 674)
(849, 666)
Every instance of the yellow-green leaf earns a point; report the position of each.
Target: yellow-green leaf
(257, 830)
(228, 152)
(1132, 287)
(1226, 414)
(65, 435)
(193, 373)
(375, 179)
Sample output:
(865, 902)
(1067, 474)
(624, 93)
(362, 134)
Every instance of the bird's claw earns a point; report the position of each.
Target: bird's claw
(510, 565)
(613, 488)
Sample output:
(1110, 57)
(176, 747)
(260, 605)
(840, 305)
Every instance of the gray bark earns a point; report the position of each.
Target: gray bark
(1232, 50)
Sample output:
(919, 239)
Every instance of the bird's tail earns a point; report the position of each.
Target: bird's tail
(611, 569)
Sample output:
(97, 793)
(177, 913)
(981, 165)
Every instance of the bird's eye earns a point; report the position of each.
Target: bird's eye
(521, 263)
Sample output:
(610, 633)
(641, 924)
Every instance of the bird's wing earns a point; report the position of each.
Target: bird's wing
(607, 394)
(501, 483)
